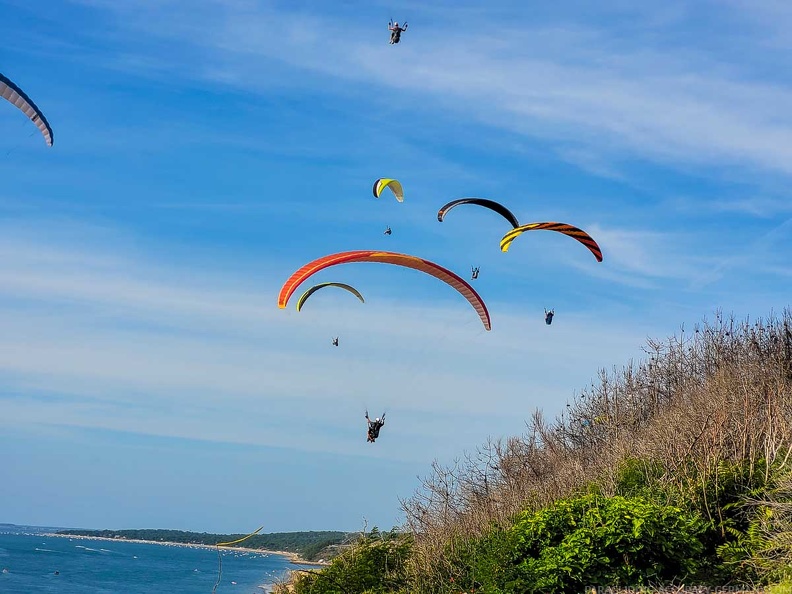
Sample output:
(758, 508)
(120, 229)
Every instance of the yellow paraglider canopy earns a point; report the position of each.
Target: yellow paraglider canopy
(394, 185)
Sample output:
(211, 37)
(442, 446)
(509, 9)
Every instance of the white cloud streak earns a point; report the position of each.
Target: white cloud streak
(113, 341)
(574, 85)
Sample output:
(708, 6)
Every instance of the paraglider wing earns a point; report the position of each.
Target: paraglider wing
(573, 232)
(394, 185)
(491, 204)
(11, 92)
(315, 288)
(437, 271)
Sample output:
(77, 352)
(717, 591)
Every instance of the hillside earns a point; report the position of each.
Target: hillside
(672, 470)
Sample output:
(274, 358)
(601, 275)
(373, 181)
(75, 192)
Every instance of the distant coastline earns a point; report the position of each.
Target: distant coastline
(293, 558)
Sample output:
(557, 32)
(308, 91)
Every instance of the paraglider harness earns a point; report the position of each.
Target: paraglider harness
(475, 272)
(388, 231)
(335, 341)
(549, 316)
(396, 31)
(374, 427)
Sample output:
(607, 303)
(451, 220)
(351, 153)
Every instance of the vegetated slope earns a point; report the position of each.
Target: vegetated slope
(694, 440)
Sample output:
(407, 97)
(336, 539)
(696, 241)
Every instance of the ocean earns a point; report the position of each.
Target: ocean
(29, 562)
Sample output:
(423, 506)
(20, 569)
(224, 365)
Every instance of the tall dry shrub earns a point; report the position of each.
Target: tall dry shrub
(698, 402)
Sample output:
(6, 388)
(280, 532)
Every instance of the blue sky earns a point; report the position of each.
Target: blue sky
(204, 153)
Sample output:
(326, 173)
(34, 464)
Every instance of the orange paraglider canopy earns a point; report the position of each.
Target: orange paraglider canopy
(437, 271)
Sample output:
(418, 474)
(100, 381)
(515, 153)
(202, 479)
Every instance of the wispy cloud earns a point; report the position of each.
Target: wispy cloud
(759, 255)
(571, 84)
(112, 340)
(758, 206)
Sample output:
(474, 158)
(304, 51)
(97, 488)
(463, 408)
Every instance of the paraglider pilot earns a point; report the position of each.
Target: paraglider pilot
(549, 316)
(335, 341)
(388, 231)
(475, 272)
(374, 427)
(396, 32)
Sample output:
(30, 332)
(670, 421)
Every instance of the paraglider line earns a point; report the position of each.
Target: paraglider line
(220, 558)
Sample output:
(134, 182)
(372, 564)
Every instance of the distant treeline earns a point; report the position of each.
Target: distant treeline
(306, 544)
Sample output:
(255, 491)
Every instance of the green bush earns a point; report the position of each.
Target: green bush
(591, 540)
(374, 565)
(641, 478)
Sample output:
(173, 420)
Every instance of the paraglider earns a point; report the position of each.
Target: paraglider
(490, 204)
(396, 31)
(475, 273)
(374, 427)
(315, 288)
(335, 341)
(393, 184)
(388, 231)
(12, 93)
(407, 261)
(569, 230)
(549, 316)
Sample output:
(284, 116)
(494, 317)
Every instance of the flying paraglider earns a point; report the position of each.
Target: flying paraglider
(374, 427)
(396, 31)
(11, 92)
(443, 274)
(474, 273)
(549, 316)
(387, 231)
(315, 288)
(335, 341)
(491, 204)
(394, 185)
(569, 230)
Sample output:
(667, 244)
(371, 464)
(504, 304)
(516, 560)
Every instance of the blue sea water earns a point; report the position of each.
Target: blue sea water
(112, 567)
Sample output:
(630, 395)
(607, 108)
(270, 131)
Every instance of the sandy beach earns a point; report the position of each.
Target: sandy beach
(293, 557)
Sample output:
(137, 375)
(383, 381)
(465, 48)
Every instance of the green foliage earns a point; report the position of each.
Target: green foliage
(374, 565)
(784, 587)
(732, 537)
(734, 534)
(764, 549)
(592, 540)
(640, 478)
(312, 551)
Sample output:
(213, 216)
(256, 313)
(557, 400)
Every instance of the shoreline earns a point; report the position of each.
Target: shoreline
(294, 558)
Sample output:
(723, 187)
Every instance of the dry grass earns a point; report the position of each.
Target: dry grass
(719, 394)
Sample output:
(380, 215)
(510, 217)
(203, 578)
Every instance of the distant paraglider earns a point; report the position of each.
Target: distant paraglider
(388, 231)
(490, 204)
(396, 31)
(474, 273)
(15, 95)
(407, 261)
(393, 184)
(335, 341)
(374, 427)
(549, 316)
(569, 230)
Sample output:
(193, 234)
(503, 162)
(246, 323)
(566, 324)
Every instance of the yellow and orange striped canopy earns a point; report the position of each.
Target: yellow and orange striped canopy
(569, 230)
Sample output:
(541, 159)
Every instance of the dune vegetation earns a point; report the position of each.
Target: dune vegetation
(672, 470)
